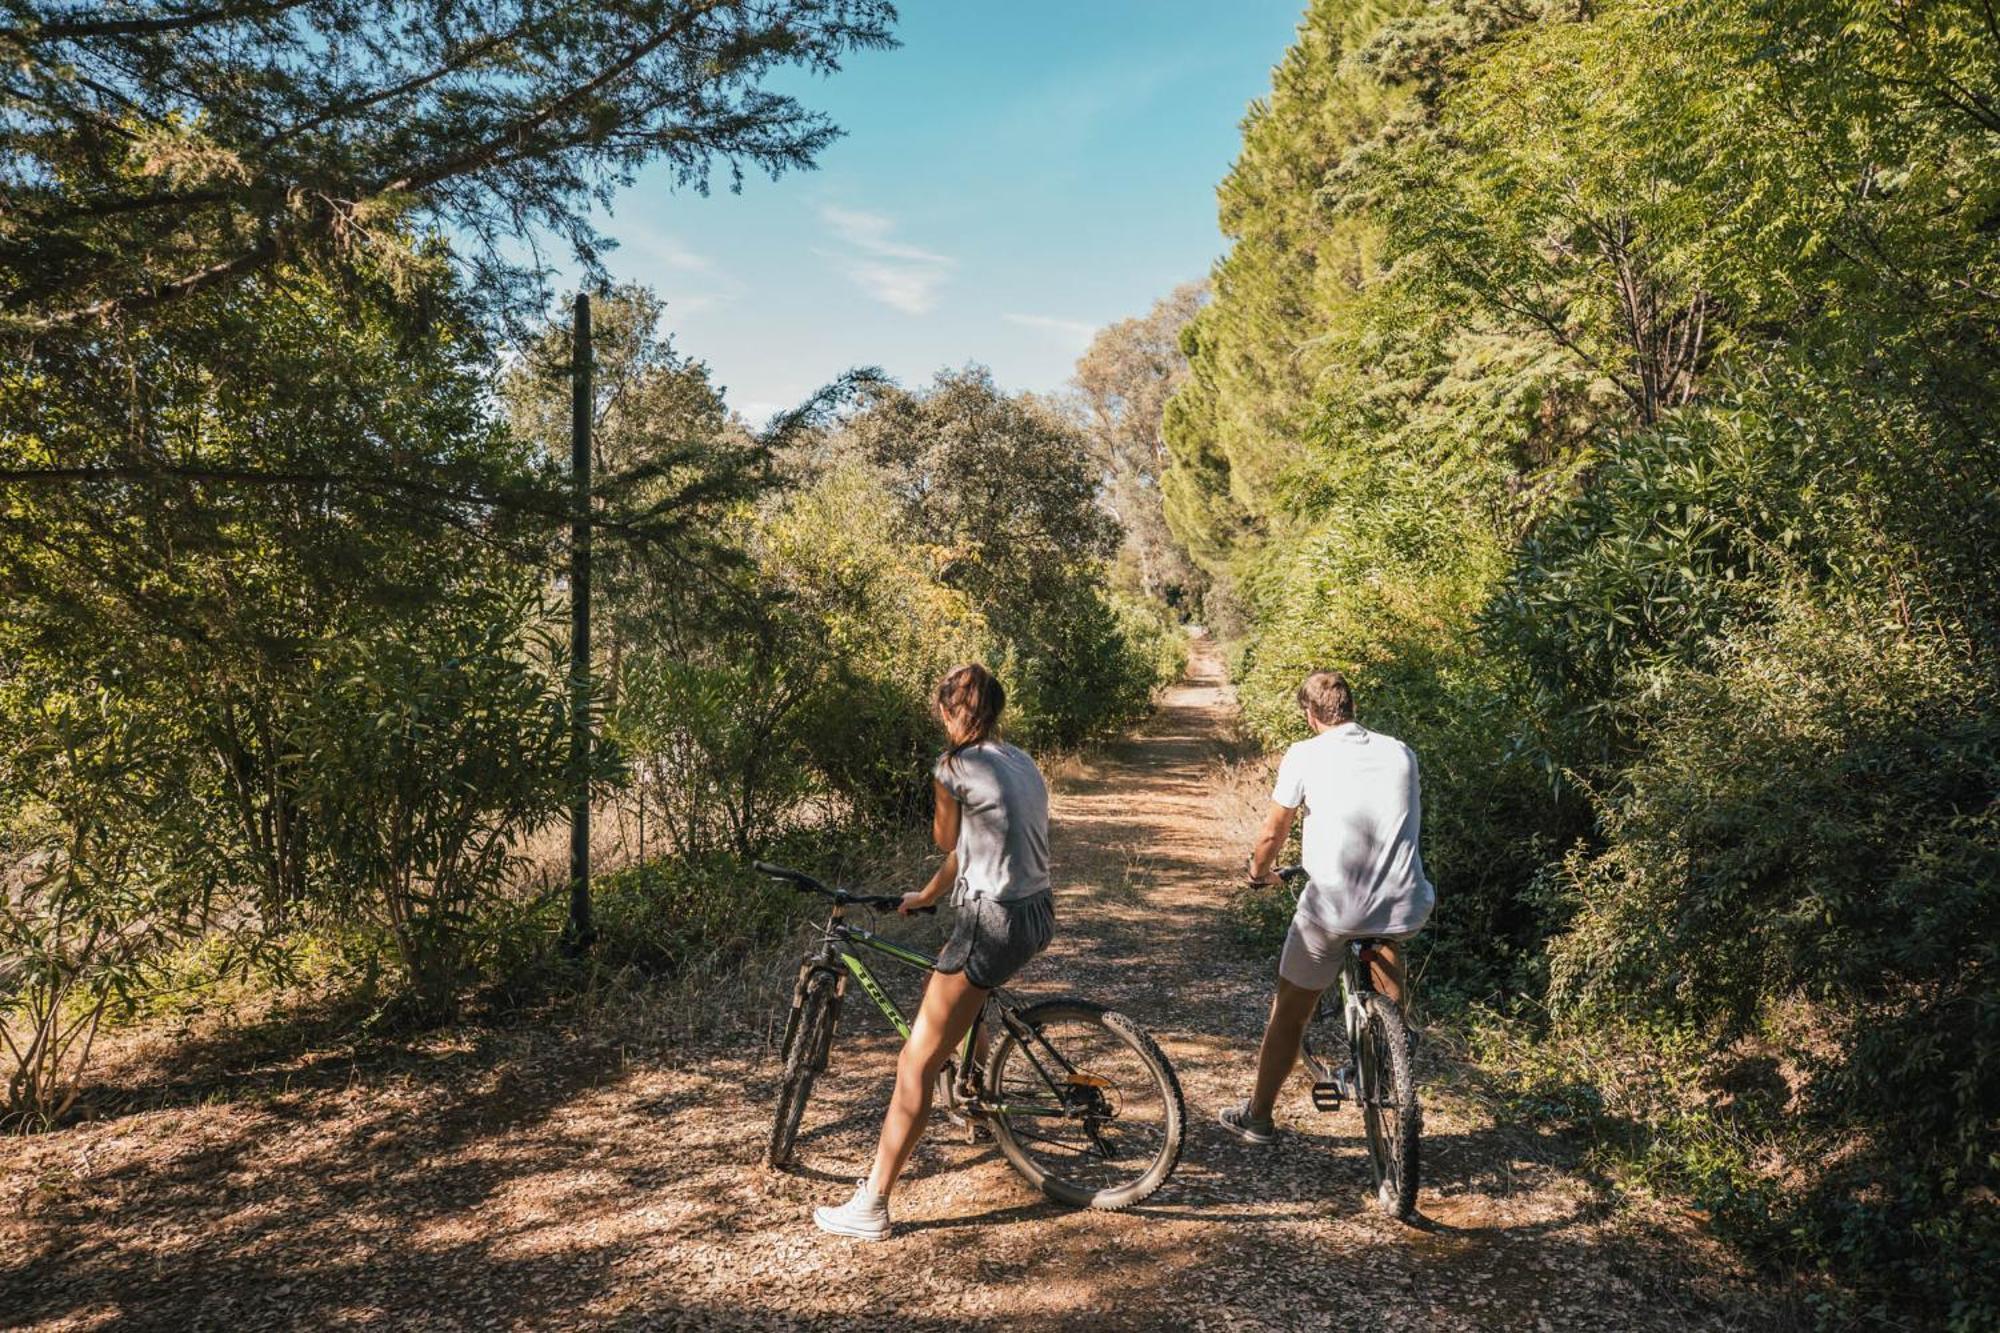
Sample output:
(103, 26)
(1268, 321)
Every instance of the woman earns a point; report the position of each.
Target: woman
(992, 824)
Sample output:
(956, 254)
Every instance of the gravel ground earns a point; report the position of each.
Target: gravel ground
(543, 1178)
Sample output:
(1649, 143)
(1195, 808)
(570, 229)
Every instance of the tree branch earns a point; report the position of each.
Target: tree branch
(79, 30)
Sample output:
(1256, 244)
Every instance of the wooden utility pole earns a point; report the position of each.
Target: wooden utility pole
(579, 932)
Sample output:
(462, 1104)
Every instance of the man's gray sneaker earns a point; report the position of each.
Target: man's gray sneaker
(864, 1217)
(1238, 1122)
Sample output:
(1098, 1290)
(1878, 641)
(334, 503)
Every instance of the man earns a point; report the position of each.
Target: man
(1364, 877)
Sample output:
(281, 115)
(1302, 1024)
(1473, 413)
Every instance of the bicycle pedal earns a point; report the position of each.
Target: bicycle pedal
(1328, 1096)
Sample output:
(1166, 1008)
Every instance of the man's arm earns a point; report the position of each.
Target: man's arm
(1270, 842)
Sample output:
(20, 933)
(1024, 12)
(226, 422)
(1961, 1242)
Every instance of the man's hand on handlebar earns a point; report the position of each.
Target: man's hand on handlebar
(1257, 880)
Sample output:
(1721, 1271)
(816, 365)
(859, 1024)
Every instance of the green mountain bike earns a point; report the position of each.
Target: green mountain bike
(1358, 1047)
(1079, 1099)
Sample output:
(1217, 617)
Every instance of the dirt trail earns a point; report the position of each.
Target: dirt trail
(543, 1184)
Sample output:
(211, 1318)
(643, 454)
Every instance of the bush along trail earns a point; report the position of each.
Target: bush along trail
(540, 1178)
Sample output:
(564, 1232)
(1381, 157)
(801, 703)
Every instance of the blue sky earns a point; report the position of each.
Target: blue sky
(1013, 176)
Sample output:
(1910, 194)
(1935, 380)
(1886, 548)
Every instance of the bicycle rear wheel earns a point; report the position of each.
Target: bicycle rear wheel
(1389, 1109)
(1087, 1108)
(809, 1038)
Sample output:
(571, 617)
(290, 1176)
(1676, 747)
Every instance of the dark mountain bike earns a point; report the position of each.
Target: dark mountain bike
(1079, 1099)
(1357, 1047)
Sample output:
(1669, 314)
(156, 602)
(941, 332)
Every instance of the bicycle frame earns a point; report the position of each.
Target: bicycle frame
(846, 943)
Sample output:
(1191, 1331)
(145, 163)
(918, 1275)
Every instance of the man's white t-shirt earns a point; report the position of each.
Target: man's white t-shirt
(1363, 814)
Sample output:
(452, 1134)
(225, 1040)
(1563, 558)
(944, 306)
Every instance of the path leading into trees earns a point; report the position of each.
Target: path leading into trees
(538, 1180)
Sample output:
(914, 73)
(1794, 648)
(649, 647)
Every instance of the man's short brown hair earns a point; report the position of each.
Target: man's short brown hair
(1327, 698)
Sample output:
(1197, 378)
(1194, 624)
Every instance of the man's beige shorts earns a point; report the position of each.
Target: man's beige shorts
(1313, 956)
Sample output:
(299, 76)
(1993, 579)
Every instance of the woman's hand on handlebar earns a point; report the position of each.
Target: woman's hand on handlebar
(917, 902)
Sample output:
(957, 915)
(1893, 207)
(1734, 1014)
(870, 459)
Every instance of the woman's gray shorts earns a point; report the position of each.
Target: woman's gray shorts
(991, 939)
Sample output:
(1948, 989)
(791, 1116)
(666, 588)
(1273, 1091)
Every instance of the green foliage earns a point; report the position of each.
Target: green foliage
(995, 500)
(323, 697)
(884, 627)
(101, 876)
(662, 916)
(1814, 818)
(1640, 469)
(424, 753)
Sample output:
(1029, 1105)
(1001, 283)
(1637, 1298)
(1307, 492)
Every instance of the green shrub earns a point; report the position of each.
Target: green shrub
(872, 742)
(1085, 665)
(1815, 820)
(660, 916)
(102, 877)
(426, 754)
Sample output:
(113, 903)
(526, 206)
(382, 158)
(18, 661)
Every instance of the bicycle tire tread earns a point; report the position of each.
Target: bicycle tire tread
(804, 1061)
(1408, 1120)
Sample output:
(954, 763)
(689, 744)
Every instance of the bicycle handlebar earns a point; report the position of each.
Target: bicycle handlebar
(804, 883)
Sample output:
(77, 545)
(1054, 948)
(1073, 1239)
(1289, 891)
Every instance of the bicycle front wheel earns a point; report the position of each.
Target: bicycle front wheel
(1389, 1110)
(1085, 1105)
(809, 1038)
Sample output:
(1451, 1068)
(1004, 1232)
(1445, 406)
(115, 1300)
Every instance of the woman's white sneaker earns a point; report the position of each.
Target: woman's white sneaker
(864, 1217)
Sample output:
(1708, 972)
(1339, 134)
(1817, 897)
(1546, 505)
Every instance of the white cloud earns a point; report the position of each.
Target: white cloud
(693, 303)
(1072, 334)
(895, 273)
(687, 280)
(663, 249)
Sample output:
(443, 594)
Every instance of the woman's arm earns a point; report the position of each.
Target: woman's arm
(944, 832)
(944, 820)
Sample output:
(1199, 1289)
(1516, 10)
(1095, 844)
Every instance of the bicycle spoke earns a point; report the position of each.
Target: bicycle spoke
(1087, 1144)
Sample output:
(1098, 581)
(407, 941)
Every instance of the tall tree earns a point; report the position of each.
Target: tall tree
(150, 153)
(1255, 348)
(1125, 378)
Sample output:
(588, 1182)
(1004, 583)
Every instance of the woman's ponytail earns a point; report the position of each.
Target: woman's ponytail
(970, 697)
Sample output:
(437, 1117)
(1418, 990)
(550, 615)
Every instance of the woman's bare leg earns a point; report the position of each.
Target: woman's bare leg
(950, 1004)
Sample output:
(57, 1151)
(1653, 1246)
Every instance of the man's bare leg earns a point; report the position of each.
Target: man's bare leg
(1387, 973)
(1291, 1009)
